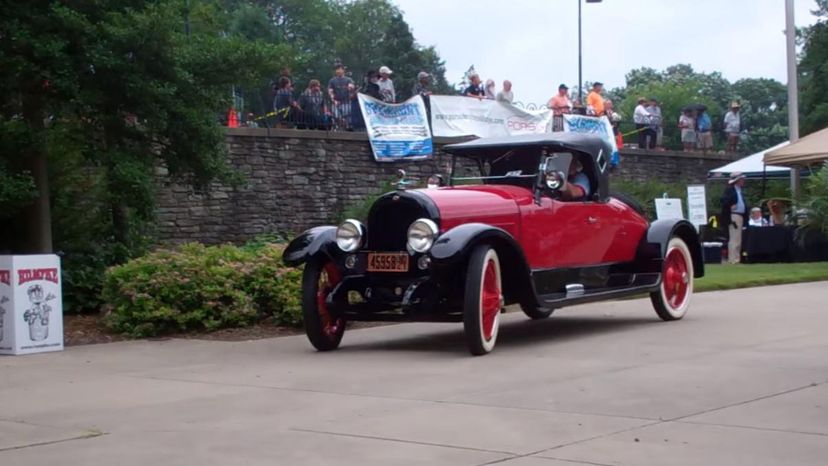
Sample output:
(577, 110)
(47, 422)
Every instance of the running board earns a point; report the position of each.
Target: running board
(641, 283)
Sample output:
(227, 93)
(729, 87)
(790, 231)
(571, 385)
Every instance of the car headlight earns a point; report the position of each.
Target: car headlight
(421, 235)
(349, 235)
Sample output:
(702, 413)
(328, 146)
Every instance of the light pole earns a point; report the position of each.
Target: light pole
(793, 96)
(580, 77)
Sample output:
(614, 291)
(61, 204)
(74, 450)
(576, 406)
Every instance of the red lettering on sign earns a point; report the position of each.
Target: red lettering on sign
(521, 125)
(30, 275)
(5, 277)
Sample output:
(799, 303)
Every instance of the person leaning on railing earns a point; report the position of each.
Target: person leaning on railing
(283, 104)
(313, 111)
(560, 105)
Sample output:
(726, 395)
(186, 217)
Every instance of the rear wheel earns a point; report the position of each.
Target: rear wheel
(673, 296)
(483, 301)
(324, 330)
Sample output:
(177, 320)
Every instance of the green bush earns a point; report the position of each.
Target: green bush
(196, 288)
(646, 192)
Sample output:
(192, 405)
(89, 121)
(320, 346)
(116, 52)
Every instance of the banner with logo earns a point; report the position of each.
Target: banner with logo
(469, 116)
(594, 125)
(397, 131)
(31, 304)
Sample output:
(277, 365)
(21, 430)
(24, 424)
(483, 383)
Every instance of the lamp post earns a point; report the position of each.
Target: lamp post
(580, 77)
(793, 97)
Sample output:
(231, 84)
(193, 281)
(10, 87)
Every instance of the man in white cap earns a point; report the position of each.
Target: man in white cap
(732, 127)
(734, 210)
(386, 85)
(423, 86)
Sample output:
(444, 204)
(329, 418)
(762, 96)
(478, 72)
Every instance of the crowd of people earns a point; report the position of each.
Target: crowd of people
(336, 107)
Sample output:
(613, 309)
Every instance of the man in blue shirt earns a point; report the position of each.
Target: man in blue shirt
(577, 186)
(734, 209)
(703, 129)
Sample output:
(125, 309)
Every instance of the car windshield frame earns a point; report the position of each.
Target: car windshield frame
(480, 159)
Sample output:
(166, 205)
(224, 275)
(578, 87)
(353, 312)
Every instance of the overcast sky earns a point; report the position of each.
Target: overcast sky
(534, 43)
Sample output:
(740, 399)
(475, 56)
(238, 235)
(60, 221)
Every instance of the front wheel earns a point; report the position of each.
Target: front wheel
(483, 301)
(673, 296)
(324, 330)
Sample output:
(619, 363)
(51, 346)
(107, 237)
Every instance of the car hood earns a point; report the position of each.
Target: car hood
(493, 205)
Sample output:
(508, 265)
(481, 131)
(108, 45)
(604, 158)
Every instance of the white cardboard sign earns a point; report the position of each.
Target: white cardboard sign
(696, 205)
(668, 208)
(31, 304)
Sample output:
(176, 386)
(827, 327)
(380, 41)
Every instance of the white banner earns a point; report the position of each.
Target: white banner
(31, 304)
(469, 116)
(696, 205)
(593, 125)
(397, 131)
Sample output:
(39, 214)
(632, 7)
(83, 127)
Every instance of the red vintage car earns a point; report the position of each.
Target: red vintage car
(505, 230)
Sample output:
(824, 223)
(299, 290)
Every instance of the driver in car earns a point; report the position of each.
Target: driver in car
(576, 187)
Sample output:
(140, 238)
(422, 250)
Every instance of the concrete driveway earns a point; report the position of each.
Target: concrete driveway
(740, 381)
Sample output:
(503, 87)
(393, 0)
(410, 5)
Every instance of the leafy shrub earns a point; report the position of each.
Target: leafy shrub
(814, 206)
(196, 287)
(646, 192)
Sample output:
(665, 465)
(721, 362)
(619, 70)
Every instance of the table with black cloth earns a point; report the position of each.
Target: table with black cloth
(767, 244)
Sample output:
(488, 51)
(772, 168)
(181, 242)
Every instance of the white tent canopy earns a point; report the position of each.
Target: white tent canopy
(752, 166)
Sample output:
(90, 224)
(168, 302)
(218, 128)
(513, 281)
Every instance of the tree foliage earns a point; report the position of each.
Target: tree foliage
(764, 102)
(95, 96)
(813, 69)
(362, 35)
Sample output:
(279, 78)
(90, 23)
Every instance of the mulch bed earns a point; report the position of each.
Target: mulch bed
(90, 329)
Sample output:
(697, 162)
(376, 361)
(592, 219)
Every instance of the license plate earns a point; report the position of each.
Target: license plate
(387, 262)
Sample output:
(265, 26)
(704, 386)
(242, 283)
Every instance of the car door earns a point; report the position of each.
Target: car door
(588, 233)
(563, 234)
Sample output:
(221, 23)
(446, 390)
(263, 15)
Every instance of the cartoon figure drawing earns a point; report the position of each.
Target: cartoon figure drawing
(38, 316)
(3, 300)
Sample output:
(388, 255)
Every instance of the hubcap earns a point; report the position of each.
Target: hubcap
(491, 299)
(328, 279)
(676, 278)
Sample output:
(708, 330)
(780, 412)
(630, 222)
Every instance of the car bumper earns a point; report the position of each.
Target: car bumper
(380, 297)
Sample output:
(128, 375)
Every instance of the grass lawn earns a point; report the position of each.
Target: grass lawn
(726, 277)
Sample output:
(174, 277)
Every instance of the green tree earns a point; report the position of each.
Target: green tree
(673, 95)
(643, 76)
(122, 84)
(813, 70)
(764, 112)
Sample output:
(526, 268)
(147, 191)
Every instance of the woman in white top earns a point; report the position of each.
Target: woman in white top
(756, 219)
(688, 130)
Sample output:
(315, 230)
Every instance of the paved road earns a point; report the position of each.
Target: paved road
(742, 380)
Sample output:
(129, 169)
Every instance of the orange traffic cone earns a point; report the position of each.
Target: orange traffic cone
(232, 119)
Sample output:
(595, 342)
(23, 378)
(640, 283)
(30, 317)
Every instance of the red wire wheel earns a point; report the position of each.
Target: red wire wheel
(323, 327)
(483, 300)
(673, 296)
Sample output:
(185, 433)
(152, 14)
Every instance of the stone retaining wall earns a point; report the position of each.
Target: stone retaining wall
(295, 179)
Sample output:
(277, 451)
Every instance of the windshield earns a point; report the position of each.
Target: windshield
(518, 166)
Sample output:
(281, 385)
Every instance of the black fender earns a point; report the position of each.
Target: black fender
(452, 249)
(654, 246)
(318, 240)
